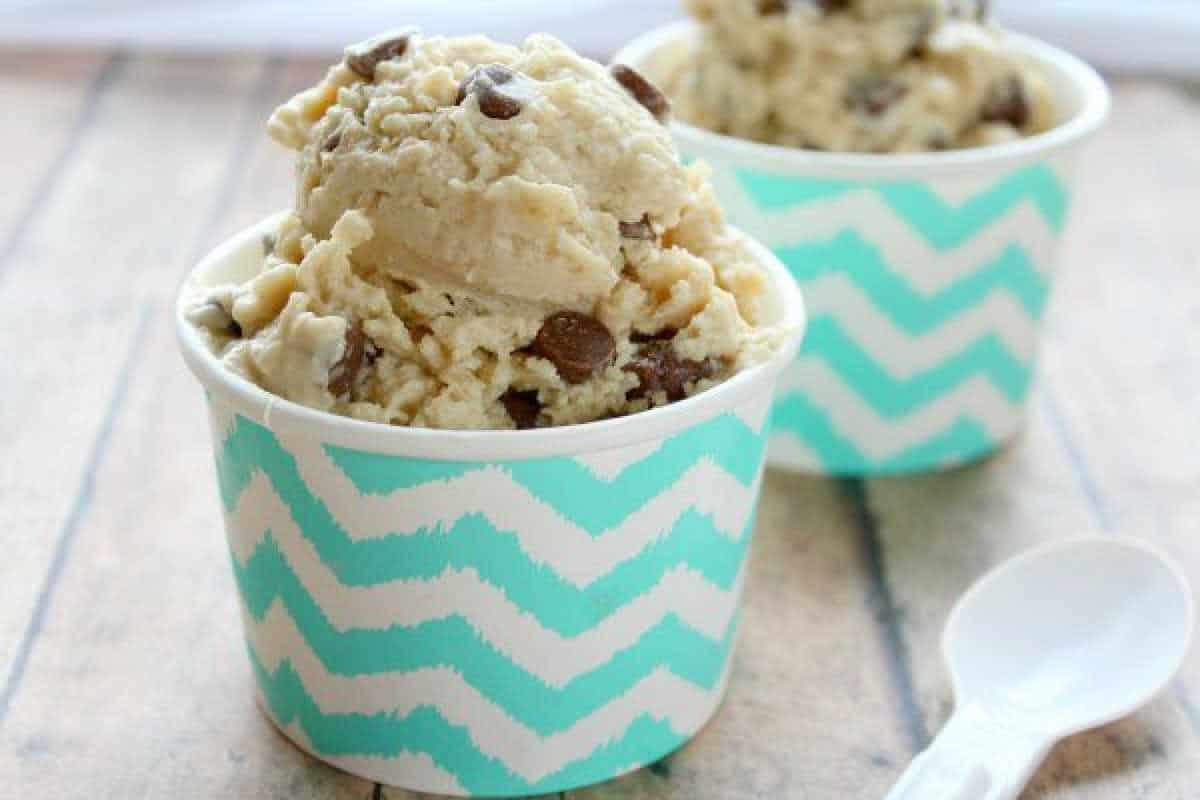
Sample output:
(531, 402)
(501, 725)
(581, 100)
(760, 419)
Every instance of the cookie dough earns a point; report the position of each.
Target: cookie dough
(880, 76)
(489, 236)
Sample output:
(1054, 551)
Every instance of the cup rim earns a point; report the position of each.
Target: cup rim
(281, 415)
(780, 159)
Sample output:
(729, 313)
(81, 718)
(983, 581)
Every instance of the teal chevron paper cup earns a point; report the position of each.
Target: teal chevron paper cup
(925, 275)
(490, 613)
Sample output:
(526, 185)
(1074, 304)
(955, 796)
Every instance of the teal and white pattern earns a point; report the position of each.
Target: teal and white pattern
(924, 302)
(491, 629)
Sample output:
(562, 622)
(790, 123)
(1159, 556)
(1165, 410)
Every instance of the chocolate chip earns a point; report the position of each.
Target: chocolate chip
(642, 229)
(484, 75)
(362, 58)
(770, 7)
(331, 143)
(576, 344)
(522, 407)
(666, 334)
(216, 318)
(642, 90)
(484, 82)
(660, 369)
(497, 105)
(874, 94)
(341, 377)
(832, 5)
(938, 141)
(268, 244)
(1007, 102)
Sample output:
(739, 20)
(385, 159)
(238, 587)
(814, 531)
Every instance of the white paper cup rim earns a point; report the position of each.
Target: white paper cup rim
(1093, 102)
(282, 415)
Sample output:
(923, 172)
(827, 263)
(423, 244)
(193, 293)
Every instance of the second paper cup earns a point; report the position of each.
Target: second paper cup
(926, 276)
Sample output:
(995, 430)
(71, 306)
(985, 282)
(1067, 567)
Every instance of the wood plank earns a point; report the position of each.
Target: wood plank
(139, 685)
(55, 95)
(1125, 372)
(266, 185)
(144, 631)
(106, 246)
(811, 710)
(941, 532)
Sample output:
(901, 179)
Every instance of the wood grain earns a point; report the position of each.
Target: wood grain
(52, 97)
(143, 629)
(264, 183)
(139, 685)
(107, 246)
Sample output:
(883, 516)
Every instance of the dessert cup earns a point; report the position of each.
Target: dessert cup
(926, 276)
(487, 613)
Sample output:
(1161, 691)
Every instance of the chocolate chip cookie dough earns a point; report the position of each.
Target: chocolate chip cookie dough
(489, 236)
(854, 75)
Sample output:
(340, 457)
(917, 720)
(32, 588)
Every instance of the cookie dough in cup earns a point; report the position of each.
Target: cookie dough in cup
(487, 613)
(926, 275)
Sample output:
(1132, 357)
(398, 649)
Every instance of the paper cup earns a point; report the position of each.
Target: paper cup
(925, 275)
(489, 613)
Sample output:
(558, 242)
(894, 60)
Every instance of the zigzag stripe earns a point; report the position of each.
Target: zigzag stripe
(569, 487)
(451, 641)
(797, 417)
(930, 270)
(879, 438)
(660, 694)
(512, 630)
(943, 225)
(835, 295)
(897, 242)
(541, 531)
(474, 543)
(424, 730)
(607, 465)
(892, 397)
(848, 254)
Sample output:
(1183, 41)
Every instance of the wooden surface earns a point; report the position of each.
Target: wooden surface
(122, 669)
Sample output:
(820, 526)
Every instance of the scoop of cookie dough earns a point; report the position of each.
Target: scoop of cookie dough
(489, 236)
(855, 75)
(486, 167)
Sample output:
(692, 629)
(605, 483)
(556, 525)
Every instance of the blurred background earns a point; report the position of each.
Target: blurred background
(1144, 36)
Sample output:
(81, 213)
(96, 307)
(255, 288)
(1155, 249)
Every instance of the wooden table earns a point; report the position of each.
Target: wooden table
(122, 668)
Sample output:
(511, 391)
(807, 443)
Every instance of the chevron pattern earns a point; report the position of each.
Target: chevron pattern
(491, 629)
(924, 299)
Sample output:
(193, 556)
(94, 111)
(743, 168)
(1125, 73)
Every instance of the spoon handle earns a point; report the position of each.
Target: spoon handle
(975, 757)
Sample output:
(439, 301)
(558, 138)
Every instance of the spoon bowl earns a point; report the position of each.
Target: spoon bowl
(1063, 638)
(1072, 635)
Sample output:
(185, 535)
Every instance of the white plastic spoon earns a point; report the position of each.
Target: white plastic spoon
(1063, 638)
